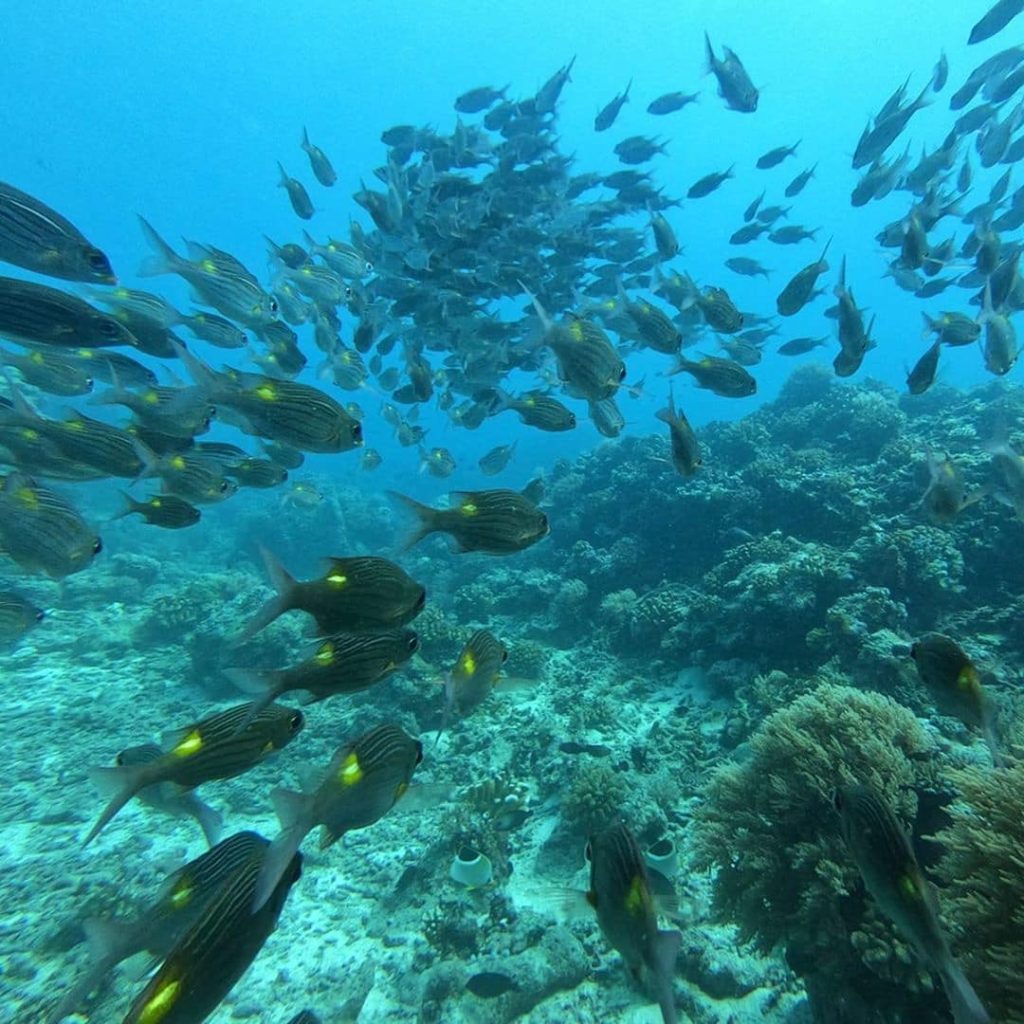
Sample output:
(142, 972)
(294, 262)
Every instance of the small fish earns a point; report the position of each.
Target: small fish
(364, 780)
(791, 234)
(297, 194)
(748, 233)
(720, 312)
(481, 98)
(38, 314)
(774, 157)
(800, 346)
(995, 19)
(638, 149)
(438, 462)
(37, 238)
(671, 102)
(303, 494)
(747, 267)
(339, 663)
(734, 84)
(363, 593)
(607, 417)
(620, 892)
(491, 985)
(940, 74)
(922, 374)
(217, 949)
(318, 160)
(540, 410)
(955, 684)
(708, 184)
(953, 329)
(41, 531)
(371, 459)
(475, 673)
(881, 850)
(606, 117)
(164, 510)
(686, 457)
(724, 377)
(665, 240)
(498, 522)
(167, 798)
(946, 496)
(212, 748)
(496, 459)
(799, 290)
(50, 372)
(17, 616)
(799, 183)
(216, 330)
(593, 749)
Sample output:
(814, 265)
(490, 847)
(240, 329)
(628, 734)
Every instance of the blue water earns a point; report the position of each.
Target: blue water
(181, 111)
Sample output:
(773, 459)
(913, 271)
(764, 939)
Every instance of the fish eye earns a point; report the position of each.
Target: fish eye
(419, 752)
(504, 656)
(97, 546)
(572, 420)
(368, 269)
(588, 853)
(544, 523)
(88, 383)
(421, 600)
(40, 615)
(96, 260)
(836, 799)
(295, 722)
(223, 486)
(414, 643)
(110, 328)
(119, 760)
(357, 433)
(272, 305)
(622, 373)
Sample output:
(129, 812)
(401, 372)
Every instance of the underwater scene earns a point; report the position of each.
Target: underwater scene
(512, 512)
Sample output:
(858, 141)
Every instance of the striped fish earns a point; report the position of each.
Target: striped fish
(180, 901)
(55, 374)
(476, 671)
(38, 238)
(340, 663)
(38, 314)
(216, 747)
(217, 949)
(499, 521)
(42, 531)
(362, 593)
(364, 781)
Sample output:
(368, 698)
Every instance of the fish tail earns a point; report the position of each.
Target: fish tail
(211, 821)
(120, 784)
(427, 517)
(128, 506)
(108, 945)
(284, 583)
(164, 259)
(666, 949)
(295, 812)
(963, 1000)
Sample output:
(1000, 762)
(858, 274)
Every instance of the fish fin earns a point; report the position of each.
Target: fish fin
(295, 812)
(963, 1000)
(666, 949)
(164, 260)
(284, 583)
(261, 682)
(108, 939)
(712, 62)
(120, 784)
(305, 140)
(211, 821)
(283, 183)
(427, 518)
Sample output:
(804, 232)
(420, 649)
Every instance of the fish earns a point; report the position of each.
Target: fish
(218, 279)
(607, 417)
(946, 496)
(922, 374)
(182, 897)
(747, 267)
(361, 593)
(593, 749)
(670, 102)
(43, 532)
(216, 330)
(610, 111)
(103, 364)
(655, 328)
(720, 312)
(953, 329)
(319, 162)
(364, 780)
(799, 290)
(686, 457)
(475, 100)
(36, 237)
(665, 240)
(748, 233)
(49, 371)
(475, 673)
(497, 522)
(540, 410)
(438, 462)
(167, 511)
(882, 852)
(167, 798)
(994, 20)
(734, 84)
(36, 314)
(638, 149)
(724, 377)
(371, 459)
(587, 361)
(709, 183)
(297, 194)
(774, 157)
(18, 615)
(940, 75)
(800, 346)
(216, 950)
(620, 893)
(954, 682)
(791, 234)
(494, 461)
(339, 663)
(208, 749)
